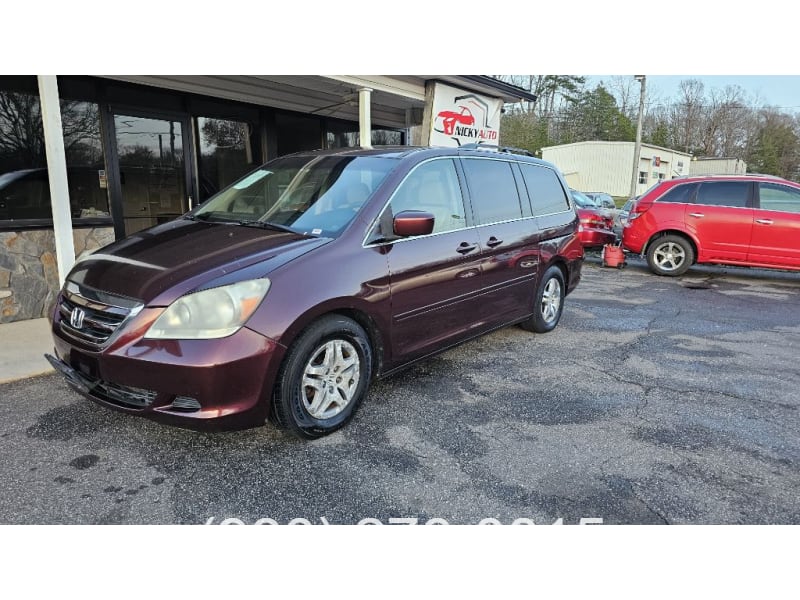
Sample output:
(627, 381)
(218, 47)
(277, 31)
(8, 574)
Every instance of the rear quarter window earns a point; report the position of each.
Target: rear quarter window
(680, 193)
(493, 190)
(544, 189)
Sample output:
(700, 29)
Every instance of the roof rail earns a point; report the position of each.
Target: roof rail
(506, 149)
(728, 175)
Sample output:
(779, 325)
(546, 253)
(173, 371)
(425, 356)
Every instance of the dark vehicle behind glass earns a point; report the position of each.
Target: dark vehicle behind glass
(283, 295)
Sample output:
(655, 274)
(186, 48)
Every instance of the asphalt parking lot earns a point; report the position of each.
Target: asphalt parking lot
(656, 400)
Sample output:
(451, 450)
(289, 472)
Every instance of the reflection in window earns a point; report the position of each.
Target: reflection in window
(228, 150)
(493, 190)
(24, 186)
(315, 195)
(723, 193)
(779, 197)
(343, 134)
(679, 194)
(545, 191)
(433, 187)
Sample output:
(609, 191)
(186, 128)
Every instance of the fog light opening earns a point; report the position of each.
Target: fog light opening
(185, 404)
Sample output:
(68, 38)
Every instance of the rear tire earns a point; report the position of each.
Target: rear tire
(549, 302)
(324, 378)
(670, 255)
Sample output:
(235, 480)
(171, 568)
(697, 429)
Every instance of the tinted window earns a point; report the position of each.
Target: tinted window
(433, 187)
(24, 186)
(779, 197)
(297, 132)
(493, 190)
(545, 191)
(680, 193)
(723, 193)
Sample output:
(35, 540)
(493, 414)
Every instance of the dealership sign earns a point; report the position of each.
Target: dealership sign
(459, 117)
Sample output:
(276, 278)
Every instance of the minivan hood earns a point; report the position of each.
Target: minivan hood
(159, 265)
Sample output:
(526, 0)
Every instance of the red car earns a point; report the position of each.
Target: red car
(450, 118)
(747, 220)
(595, 228)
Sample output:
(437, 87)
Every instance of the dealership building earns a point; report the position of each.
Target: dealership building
(608, 166)
(87, 160)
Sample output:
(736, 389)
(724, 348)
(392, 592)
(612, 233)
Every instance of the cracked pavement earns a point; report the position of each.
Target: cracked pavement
(656, 400)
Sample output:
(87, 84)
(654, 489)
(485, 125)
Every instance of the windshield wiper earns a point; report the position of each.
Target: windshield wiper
(268, 225)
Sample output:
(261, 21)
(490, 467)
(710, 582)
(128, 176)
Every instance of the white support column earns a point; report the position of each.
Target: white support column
(57, 174)
(364, 118)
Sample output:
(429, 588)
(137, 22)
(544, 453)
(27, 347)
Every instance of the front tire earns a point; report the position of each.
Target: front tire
(549, 302)
(324, 378)
(670, 255)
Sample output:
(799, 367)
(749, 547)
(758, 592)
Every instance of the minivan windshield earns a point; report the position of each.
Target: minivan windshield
(312, 195)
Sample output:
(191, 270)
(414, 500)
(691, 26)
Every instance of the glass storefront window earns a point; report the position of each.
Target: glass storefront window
(341, 134)
(24, 187)
(228, 149)
(297, 132)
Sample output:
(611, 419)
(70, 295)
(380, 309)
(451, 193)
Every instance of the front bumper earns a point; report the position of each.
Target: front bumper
(200, 384)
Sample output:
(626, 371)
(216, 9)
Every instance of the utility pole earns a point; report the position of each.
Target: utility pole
(637, 150)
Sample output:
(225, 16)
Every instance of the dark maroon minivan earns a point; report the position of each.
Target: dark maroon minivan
(282, 296)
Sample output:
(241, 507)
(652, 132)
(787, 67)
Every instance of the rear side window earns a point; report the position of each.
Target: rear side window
(680, 193)
(545, 191)
(493, 190)
(779, 197)
(723, 193)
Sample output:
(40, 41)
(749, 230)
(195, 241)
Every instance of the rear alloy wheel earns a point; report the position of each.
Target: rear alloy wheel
(549, 302)
(325, 377)
(670, 255)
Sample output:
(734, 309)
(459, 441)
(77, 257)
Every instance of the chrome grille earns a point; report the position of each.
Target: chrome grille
(102, 314)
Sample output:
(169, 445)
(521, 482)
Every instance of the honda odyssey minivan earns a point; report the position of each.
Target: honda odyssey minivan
(285, 294)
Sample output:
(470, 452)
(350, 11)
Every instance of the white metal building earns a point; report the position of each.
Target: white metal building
(717, 166)
(607, 166)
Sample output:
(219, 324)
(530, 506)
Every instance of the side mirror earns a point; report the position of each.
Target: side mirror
(413, 222)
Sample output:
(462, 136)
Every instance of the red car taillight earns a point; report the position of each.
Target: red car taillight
(637, 211)
(593, 222)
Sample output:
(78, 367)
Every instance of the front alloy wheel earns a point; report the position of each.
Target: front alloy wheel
(324, 378)
(330, 379)
(670, 255)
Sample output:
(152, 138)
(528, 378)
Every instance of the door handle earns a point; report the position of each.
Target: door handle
(493, 241)
(465, 248)
(697, 215)
(764, 221)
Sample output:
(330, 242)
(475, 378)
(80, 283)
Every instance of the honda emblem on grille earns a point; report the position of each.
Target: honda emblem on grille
(76, 318)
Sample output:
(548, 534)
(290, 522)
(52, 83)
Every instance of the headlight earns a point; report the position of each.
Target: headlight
(214, 313)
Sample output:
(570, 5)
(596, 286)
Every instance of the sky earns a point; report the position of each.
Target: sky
(782, 91)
